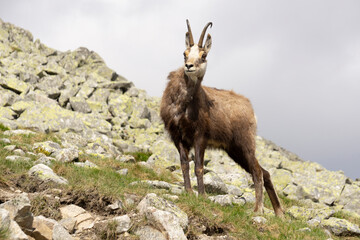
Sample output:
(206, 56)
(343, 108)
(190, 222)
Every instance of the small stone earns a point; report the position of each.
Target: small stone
(223, 200)
(19, 152)
(5, 140)
(18, 132)
(305, 229)
(123, 171)
(86, 164)
(126, 159)
(15, 158)
(259, 220)
(123, 223)
(10, 148)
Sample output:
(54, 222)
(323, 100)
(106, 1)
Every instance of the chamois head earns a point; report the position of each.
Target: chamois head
(195, 54)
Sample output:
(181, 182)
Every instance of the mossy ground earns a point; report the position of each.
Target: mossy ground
(94, 188)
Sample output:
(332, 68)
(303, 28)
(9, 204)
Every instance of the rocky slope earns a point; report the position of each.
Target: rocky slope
(96, 111)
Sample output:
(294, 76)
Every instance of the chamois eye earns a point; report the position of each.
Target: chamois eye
(184, 55)
(203, 57)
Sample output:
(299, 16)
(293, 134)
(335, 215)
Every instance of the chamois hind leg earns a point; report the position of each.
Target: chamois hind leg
(272, 193)
(257, 176)
(249, 163)
(184, 154)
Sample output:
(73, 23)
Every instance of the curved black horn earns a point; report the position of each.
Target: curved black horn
(191, 39)
(203, 34)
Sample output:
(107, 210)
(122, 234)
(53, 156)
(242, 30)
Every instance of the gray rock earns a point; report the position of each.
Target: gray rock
(66, 154)
(43, 227)
(47, 147)
(214, 184)
(15, 158)
(60, 233)
(258, 220)
(152, 200)
(10, 148)
(18, 132)
(154, 184)
(45, 173)
(227, 199)
(5, 140)
(14, 231)
(19, 210)
(115, 205)
(123, 223)
(149, 233)
(19, 152)
(69, 224)
(310, 213)
(7, 113)
(79, 104)
(223, 200)
(350, 198)
(84, 220)
(167, 221)
(341, 227)
(123, 171)
(86, 164)
(45, 160)
(126, 159)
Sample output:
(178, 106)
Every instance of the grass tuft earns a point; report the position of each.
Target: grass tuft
(140, 156)
(3, 128)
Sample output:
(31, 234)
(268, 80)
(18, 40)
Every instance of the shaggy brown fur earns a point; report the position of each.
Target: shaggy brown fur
(199, 117)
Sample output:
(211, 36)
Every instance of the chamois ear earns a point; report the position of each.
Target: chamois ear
(208, 42)
(187, 40)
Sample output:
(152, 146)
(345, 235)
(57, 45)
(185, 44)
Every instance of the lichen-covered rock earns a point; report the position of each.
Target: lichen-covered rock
(350, 198)
(14, 84)
(167, 221)
(227, 199)
(7, 113)
(45, 173)
(310, 213)
(152, 200)
(214, 184)
(341, 227)
(47, 147)
(123, 223)
(149, 233)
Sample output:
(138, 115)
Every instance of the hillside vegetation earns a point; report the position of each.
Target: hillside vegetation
(84, 155)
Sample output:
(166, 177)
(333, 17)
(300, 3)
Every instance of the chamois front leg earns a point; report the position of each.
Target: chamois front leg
(200, 145)
(184, 153)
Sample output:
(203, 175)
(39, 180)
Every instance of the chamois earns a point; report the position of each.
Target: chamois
(199, 117)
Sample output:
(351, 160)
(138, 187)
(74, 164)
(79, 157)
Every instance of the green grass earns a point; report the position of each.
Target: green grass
(4, 233)
(3, 128)
(140, 156)
(106, 182)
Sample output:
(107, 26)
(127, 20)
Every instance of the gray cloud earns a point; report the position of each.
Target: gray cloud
(298, 61)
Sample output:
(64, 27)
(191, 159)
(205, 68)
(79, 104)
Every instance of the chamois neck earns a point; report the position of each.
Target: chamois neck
(193, 86)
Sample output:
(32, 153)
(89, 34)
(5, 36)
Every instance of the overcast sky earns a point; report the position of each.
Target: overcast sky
(297, 61)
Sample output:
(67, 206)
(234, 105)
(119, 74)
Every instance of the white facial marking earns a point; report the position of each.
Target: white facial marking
(194, 52)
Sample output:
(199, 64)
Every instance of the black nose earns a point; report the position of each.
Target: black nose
(188, 66)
